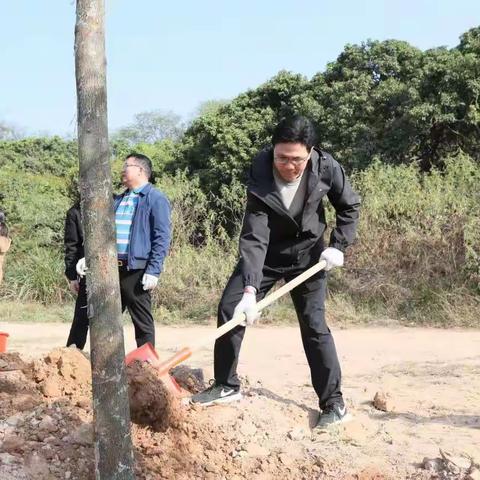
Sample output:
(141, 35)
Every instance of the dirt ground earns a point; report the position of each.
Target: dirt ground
(427, 380)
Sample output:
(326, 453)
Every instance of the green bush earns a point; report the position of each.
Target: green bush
(431, 217)
(193, 281)
(36, 207)
(47, 155)
(416, 259)
(419, 243)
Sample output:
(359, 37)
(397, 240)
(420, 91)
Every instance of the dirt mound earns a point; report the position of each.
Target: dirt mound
(63, 372)
(151, 404)
(52, 436)
(17, 392)
(11, 361)
(46, 428)
(45, 417)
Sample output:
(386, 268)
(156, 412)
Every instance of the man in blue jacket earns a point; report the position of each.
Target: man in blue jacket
(143, 230)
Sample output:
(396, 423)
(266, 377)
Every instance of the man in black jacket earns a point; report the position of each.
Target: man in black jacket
(73, 242)
(282, 236)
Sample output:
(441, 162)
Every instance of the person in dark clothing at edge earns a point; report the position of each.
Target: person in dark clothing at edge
(143, 231)
(5, 242)
(281, 237)
(73, 242)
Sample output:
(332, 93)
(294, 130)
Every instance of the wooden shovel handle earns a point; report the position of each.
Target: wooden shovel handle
(186, 352)
(174, 360)
(268, 300)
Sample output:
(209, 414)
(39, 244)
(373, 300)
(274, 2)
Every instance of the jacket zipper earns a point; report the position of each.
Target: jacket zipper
(131, 232)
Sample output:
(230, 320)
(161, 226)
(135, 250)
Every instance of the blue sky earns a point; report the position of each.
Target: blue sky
(174, 55)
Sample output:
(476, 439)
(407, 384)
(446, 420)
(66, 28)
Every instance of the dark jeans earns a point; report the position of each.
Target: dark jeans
(308, 299)
(134, 298)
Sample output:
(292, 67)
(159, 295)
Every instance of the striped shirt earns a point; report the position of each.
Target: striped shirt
(123, 221)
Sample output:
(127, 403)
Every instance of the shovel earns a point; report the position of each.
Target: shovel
(147, 352)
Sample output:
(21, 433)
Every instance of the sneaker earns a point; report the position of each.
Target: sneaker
(333, 414)
(216, 394)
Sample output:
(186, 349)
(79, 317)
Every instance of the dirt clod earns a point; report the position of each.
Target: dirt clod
(383, 401)
(191, 379)
(449, 466)
(151, 404)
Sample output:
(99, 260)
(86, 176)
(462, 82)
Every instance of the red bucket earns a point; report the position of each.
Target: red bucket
(3, 342)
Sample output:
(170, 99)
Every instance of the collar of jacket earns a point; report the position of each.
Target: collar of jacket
(144, 191)
(262, 184)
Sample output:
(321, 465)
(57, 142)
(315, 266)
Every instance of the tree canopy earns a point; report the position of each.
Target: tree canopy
(150, 127)
(386, 100)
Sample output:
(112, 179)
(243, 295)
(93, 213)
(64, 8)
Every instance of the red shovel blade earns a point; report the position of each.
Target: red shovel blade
(147, 353)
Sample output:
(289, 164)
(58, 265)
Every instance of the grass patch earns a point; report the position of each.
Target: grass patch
(35, 312)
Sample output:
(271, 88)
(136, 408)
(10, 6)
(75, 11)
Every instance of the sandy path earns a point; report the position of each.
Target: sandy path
(363, 351)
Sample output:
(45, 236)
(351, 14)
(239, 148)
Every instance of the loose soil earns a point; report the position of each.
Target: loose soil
(423, 424)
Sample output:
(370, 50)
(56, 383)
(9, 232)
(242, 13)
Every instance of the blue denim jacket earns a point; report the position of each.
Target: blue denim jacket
(151, 231)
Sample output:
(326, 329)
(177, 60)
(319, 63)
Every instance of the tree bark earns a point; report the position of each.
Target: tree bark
(113, 443)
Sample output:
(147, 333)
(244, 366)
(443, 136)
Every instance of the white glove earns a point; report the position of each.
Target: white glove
(74, 286)
(81, 267)
(248, 306)
(149, 282)
(333, 257)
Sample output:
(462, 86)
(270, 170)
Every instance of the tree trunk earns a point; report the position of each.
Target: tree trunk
(113, 443)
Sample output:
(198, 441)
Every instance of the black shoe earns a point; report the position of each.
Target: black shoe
(215, 394)
(331, 415)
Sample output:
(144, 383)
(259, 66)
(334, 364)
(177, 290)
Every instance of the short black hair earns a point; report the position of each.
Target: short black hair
(145, 163)
(295, 129)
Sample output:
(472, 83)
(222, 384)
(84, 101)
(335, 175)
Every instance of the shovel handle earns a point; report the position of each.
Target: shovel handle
(268, 300)
(174, 360)
(186, 352)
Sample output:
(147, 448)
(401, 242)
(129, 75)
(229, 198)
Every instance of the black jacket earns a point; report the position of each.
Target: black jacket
(271, 237)
(73, 241)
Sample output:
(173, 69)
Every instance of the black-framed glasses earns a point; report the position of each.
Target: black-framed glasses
(294, 160)
(126, 165)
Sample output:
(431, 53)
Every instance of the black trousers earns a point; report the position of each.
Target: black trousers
(309, 301)
(79, 328)
(134, 298)
(139, 304)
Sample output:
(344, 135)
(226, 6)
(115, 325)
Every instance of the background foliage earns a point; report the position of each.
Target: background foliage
(404, 123)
